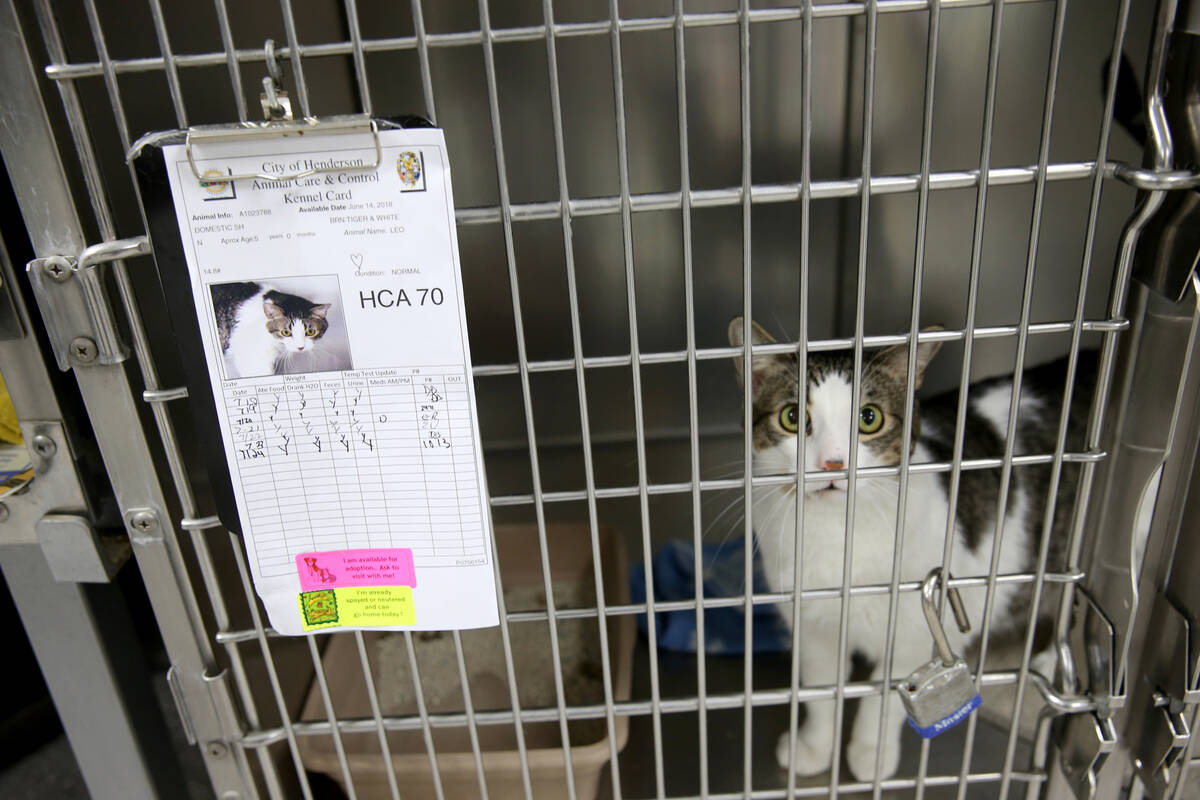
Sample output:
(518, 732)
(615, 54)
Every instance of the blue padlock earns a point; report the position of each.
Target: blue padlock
(940, 694)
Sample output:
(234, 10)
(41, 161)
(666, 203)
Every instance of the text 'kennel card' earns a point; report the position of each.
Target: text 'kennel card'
(331, 313)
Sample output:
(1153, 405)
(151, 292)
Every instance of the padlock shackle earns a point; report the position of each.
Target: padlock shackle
(929, 606)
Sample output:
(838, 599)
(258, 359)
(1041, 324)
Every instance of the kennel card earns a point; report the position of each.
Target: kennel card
(330, 313)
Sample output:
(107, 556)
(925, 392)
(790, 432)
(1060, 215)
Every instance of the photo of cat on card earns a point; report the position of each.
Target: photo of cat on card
(281, 326)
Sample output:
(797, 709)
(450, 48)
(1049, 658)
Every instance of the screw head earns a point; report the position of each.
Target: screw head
(44, 446)
(83, 350)
(144, 521)
(57, 267)
(216, 749)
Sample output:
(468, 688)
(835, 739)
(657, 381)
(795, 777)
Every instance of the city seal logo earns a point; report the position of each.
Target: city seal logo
(319, 608)
(215, 188)
(410, 167)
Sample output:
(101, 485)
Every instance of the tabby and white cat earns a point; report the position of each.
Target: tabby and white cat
(263, 329)
(826, 424)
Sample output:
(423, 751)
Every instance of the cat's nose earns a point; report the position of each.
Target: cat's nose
(834, 463)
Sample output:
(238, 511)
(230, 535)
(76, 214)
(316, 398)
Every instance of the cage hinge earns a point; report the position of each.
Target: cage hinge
(206, 709)
(74, 304)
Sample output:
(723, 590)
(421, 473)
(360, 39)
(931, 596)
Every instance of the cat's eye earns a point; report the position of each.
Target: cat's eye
(286, 332)
(870, 418)
(789, 419)
(311, 332)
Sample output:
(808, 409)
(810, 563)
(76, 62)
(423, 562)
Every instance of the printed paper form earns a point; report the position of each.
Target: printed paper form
(332, 320)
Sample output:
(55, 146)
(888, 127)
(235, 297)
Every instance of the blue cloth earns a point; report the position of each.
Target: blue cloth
(724, 576)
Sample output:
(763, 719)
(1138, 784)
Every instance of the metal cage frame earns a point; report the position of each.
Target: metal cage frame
(209, 676)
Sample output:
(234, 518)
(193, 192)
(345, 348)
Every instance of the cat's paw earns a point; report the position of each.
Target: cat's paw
(812, 758)
(860, 758)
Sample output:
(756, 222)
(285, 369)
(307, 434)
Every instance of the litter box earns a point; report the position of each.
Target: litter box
(520, 566)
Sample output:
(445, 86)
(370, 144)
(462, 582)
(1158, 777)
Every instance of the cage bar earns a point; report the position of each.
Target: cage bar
(385, 752)
(585, 427)
(360, 63)
(172, 69)
(627, 708)
(294, 54)
(852, 473)
(423, 58)
(510, 254)
(689, 290)
(759, 598)
(427, 729)
(469, 708)
(1110, 325)
(231, 59)
(287, 726)
(914, 325)
(801, 385)
(636, 375)
(748, 400)
(330, 715)
(602, 27)
(1014, 401)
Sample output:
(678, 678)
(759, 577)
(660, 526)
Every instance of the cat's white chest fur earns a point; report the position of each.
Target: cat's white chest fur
(873, 552)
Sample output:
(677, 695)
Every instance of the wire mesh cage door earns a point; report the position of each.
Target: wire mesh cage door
(632, 177)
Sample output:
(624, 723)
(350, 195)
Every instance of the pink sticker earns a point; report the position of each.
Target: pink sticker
(391, 566)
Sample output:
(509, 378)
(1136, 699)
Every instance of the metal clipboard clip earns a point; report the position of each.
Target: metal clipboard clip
(308, 126)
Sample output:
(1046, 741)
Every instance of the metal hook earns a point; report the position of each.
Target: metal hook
(273, 68)
(271, 102)
(929, 605)
(275, 102)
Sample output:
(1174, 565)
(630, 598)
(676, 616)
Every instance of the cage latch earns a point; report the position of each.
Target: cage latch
(74, 303)
(199, 701)
(1084, 732)
(1159, 738)
(1085, 742)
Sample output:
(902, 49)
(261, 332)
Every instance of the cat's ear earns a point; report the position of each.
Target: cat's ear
(271, 310)
(319, 311)
(760, 364)
(895, 359)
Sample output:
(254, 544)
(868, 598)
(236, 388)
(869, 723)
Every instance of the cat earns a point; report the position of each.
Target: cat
(263, 329)
(826, 423)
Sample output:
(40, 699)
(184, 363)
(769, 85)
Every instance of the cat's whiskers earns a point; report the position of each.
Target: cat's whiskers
(877, 498)
(712, 498)
(766, 523)
(736, 502)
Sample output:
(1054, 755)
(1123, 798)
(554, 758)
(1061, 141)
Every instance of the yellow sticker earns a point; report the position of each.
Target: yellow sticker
(357, 607)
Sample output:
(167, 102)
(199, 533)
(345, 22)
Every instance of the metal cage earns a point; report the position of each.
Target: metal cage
(630, 177)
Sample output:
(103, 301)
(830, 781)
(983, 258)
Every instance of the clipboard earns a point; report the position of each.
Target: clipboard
(170, 261)
(313, 270)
